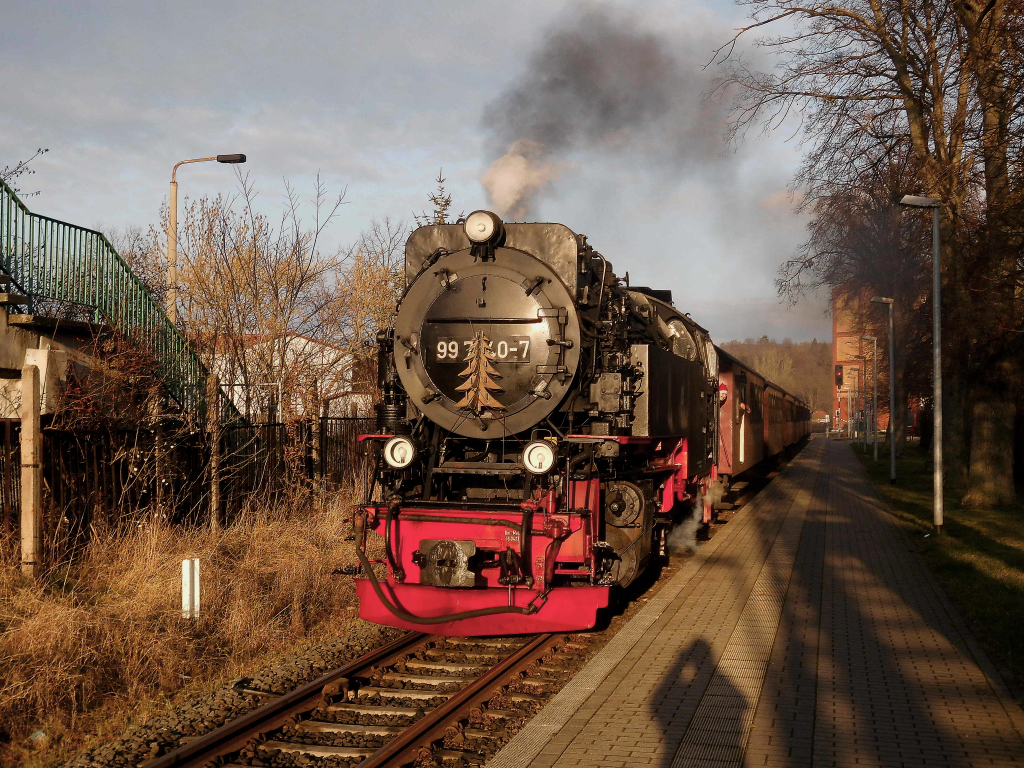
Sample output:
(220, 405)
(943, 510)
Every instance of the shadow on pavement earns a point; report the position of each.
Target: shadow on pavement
(719, 737)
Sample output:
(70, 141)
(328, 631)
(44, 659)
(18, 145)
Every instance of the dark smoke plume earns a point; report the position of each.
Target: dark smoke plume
(604, 84)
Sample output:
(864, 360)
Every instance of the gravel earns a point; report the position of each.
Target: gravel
(200, 716)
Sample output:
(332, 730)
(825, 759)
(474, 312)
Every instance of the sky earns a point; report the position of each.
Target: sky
(600, 104)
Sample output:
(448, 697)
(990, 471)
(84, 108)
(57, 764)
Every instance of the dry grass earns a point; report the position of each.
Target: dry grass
(100, 643)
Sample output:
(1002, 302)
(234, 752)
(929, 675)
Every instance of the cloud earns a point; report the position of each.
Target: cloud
(606, 83)
(379, 96)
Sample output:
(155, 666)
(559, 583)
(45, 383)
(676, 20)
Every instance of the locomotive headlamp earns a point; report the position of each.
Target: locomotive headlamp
(399, 452)
(539, 457)
(482, 226)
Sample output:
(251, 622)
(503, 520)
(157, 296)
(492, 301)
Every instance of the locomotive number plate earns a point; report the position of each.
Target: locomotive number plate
(515, 349)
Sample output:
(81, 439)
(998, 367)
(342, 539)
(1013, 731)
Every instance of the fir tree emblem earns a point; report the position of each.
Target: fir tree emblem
(480, 375)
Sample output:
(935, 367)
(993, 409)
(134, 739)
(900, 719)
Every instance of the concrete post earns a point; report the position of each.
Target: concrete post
(213, 434)
(31, 474)
(190, 588)
(936, 374)
(172, 253)
(316, 423)
(158, 456)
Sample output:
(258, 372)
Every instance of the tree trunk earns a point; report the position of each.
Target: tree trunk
(899, 376)
(991, 472)
(954, 427)
(1018, 449)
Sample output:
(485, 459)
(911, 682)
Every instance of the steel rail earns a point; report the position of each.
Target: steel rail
(234, 735)
(403, 748)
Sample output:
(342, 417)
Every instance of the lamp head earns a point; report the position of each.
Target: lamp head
(913, 201)
(230, 158)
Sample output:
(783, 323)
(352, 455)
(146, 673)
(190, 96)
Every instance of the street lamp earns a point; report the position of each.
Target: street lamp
(172, 233)
(874, 395)
(860, 409)
(849, 406)
(929, 202)
(853, 402)
(892, 389)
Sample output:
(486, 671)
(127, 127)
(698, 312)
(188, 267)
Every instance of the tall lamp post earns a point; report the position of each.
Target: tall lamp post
(862, 385)
(854, 403)
(929, 202)
(874, 393)
(849, 413)
(172, 233)
(892, 389)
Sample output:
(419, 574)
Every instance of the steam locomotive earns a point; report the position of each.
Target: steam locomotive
(542, 427)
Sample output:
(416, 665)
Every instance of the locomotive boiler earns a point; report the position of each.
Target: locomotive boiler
(541, 428)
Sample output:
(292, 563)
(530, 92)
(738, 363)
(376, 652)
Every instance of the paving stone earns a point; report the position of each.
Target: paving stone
(806, 633)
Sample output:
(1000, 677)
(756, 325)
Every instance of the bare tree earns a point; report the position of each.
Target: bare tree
(874, 80)
(11, 173)
(259, 300)
(804, 368)
(861, 245)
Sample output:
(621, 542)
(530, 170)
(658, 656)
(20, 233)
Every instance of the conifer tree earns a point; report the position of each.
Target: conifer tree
(441, 201)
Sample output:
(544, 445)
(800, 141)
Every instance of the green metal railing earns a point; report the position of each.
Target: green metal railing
(53, 263)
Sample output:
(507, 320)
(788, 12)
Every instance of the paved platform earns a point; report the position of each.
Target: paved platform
(806, 633)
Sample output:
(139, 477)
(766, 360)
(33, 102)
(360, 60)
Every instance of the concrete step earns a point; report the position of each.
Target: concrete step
(52, 324)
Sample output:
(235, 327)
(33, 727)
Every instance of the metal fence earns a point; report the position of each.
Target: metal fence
(125, 477)
(56, 267)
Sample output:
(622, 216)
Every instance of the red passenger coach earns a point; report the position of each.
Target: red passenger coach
(741, 417)
(758, 419)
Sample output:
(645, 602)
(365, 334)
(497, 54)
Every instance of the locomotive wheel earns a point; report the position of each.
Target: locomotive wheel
(623, 504)
(627, 567)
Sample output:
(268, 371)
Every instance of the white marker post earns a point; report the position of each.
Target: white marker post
(190, 589)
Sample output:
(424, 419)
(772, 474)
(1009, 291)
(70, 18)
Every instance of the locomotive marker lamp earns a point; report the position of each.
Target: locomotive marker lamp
(172, 232)
(539, 457)
(874, 395)
(892, 390)
(399, 452)
(929, 202)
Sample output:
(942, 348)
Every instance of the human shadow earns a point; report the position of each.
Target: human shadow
(699, 709)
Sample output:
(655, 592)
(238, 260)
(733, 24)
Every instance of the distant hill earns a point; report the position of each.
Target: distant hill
(804, 368)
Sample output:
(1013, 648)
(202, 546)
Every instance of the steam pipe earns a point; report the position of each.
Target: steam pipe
(392, 511)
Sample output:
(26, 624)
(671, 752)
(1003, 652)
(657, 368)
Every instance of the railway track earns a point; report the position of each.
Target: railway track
(422, 699)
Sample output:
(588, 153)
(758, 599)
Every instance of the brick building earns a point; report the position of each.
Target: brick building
(851, 359)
